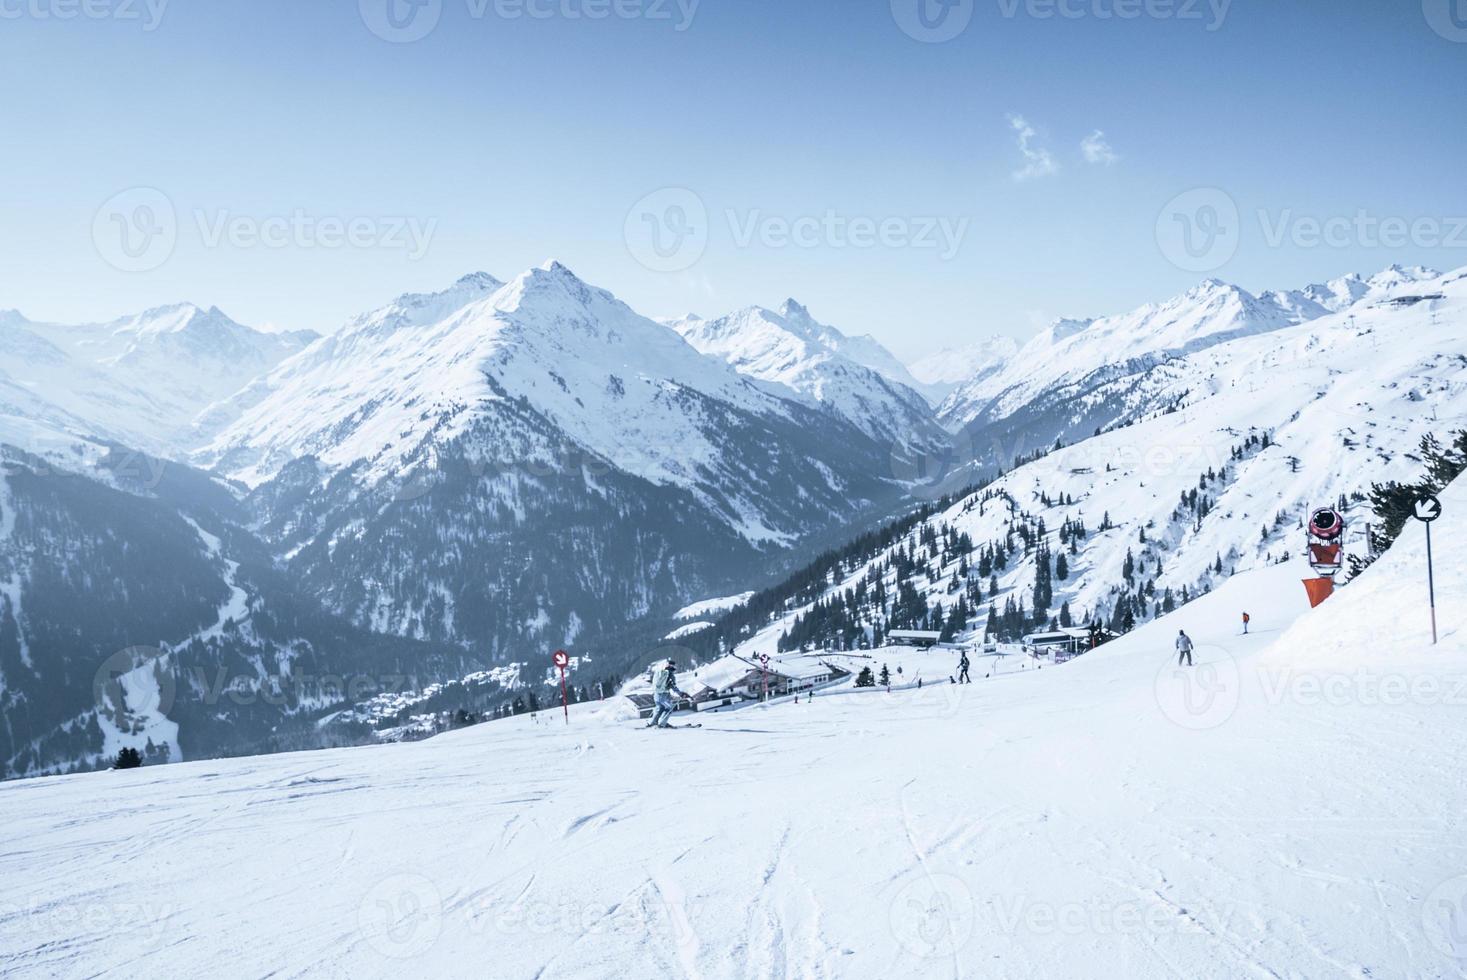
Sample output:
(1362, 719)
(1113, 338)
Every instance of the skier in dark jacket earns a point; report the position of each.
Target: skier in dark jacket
(664, 686)
(1184, 648)
(963, 665)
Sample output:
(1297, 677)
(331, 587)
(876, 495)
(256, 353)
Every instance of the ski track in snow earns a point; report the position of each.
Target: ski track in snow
(237, 606)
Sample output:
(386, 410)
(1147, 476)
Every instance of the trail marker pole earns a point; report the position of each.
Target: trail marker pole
(1427, 510)
(1431, 584)
(562, 660)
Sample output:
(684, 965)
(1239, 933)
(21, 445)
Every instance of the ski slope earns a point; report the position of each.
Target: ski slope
(1290, 807)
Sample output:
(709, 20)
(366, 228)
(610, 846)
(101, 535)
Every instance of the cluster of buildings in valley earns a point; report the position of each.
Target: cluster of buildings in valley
(732, 679)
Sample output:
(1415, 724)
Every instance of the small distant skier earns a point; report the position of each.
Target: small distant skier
(1246, 620)
(963, 666)
(664, 686)
(1184, 648)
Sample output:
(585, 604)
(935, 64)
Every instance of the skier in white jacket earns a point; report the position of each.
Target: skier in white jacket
(1184, 648)
(664, 686)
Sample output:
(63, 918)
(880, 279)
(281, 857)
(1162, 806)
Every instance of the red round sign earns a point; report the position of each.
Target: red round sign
(561, 658)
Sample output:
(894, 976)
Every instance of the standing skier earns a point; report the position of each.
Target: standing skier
(664, 686)
(963, 665)
(1246, 620)
(1184, 648)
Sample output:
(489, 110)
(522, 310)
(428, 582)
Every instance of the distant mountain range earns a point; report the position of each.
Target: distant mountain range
(467, 479)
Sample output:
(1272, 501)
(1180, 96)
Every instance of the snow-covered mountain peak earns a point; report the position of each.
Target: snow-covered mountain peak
(942, 372)
(1397, 275)
(821, 365)
(173, 318)
(551, 278)
(1063, 329)
(794, 310)
(545, 369)
(418, 309)
(142, 380)
(478, 280)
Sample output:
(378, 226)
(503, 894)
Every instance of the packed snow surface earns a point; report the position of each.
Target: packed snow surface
(1291, 806)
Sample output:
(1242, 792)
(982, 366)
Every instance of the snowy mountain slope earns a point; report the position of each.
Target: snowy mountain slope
(790, 348)
(136, 611)
(616, 384)
(1071, 354)
(533, 463)
(1114, 816)
(143, 380)
(1254, 434)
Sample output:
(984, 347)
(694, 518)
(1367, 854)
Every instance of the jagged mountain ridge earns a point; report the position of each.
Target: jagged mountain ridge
(790, 348)
(1211, 313)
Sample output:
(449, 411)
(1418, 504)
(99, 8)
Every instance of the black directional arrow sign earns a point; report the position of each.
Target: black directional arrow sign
(1428, 509)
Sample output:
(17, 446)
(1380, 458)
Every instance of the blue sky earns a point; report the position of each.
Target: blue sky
(497, 141)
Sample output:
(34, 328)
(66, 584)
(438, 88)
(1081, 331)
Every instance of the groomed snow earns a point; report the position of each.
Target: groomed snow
(1291, 806)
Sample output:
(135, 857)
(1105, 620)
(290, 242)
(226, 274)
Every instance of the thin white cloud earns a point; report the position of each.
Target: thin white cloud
(1038, 161)
(1097, 149)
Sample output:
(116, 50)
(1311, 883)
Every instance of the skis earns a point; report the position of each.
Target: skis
(650, 727)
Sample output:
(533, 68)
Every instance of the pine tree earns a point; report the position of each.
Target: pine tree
(885, 678)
